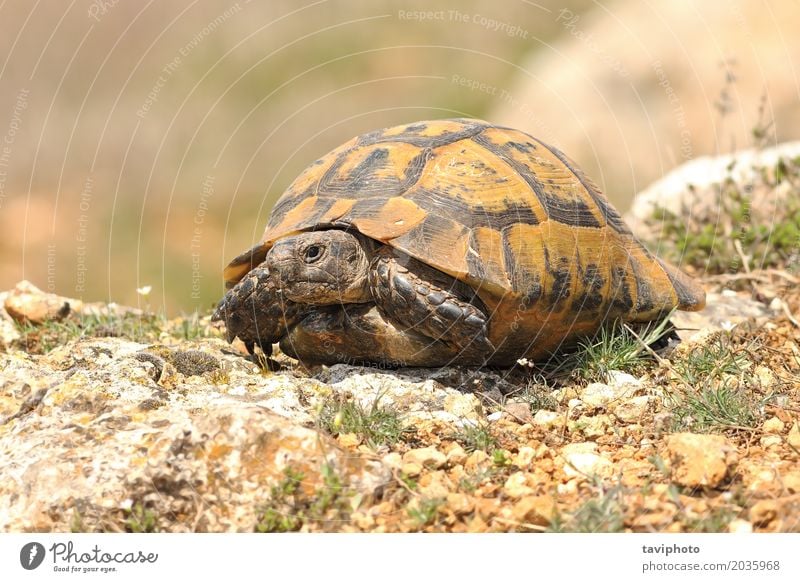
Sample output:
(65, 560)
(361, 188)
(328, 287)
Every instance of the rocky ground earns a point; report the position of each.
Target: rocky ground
(112, 419)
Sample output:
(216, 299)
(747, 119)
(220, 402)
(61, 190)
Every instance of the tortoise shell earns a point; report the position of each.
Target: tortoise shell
(494, 207)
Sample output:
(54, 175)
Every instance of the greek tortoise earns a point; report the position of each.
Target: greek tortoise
(443, 242)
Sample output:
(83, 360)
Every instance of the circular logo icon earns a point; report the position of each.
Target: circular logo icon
(31, 555)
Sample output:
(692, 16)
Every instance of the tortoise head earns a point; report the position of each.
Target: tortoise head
(322, 267)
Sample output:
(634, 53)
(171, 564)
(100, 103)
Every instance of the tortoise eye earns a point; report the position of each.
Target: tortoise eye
(313, 254)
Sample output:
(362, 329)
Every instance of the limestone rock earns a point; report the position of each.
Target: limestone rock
(773, 425)
(28, 303)
(700, 460)
(581, 460)
(537, 510)
(428, 457)
(548, 419)
(632, 409)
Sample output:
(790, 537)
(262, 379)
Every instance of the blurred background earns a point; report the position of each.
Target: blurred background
(144, 143)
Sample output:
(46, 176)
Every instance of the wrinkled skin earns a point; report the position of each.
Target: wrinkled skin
(331, 296)
(256, 311)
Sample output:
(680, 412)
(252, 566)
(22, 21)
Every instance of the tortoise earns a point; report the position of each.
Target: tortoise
(443, 242)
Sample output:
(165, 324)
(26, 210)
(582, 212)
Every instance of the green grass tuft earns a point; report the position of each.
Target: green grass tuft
(616, 347)
(376, 424)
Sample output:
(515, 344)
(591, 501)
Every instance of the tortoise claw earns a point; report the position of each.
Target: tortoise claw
(255, 311)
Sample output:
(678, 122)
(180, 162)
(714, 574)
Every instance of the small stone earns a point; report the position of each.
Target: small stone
(434, 485)
(519, 411)
(791, 481)
(619, 379)
(598, 395)
(585, 447)
(411, 469)
(516, 486)
(773, 425)
(587, 465)
(662, 421)
(393, 460)
(427, 457)
(764, 377)
(524, 457)
(699, 459)
(536, 510)
(476, 460)
(763, 512)
(593, 426)
(28, 303)
(348, 440)
(462, 405)
(794, 436)
(459, 503)
(632, 409)
(548, 418)
(740, 526)
(771, 440)
(456, 455)
(494, 416)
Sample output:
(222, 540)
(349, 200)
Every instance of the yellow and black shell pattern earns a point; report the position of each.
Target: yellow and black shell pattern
(494, 207)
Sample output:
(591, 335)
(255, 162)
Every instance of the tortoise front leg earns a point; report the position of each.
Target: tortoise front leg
(256, 312)
(427, 301)
(360, 334)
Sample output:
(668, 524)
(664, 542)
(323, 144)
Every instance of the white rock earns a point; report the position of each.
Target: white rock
(516, 486)
(587, 465)
(618, 378)
(548, 418)
(740, 526)
(671, 191)
(596, 394)
(773, 425)
(632, 409)
(428, 457)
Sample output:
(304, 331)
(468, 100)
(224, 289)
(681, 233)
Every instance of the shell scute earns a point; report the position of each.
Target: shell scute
(494, 207)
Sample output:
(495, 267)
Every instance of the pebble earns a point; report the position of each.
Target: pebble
(548, 418)
(459, 503)
(580, 464)
(26, 302)
(791, 481)
(632, 409)
(348, 440)
(794, 437)
(393, 460)
(584, 447)
(411, 469)
(618, 379)
(476, 460)
(462, 405)
(516, 486)
(599, 395)
(770, 440)
(773, 425)
(428, 457)
(536, 510)
(699, 459)
(456, 455)
(593, 426)
(740, 526)
(524, 458)
(764, 511)
(519, 412)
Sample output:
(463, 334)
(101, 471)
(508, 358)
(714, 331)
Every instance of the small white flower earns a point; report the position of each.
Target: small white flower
(144, 291)
(727, 325)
